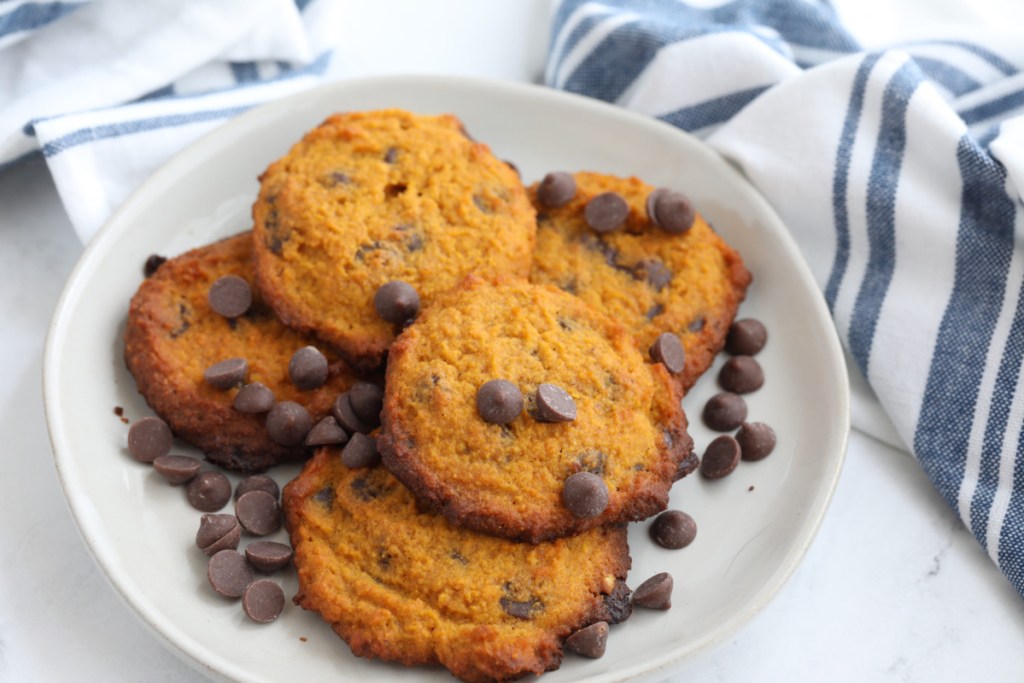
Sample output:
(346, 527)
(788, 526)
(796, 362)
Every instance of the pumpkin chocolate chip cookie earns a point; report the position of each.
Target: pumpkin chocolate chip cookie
(518, 410)
(402, 585)
(216, 364)
(370, 199)
(646, 258)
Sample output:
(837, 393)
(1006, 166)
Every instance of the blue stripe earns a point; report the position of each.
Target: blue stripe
(948, 76)
(713, 111)
(997, 107)
(244, 72)
(1011, 537)
(34, 15)
(302, 4)
(983, 249)
(883, 182)
(840, 179)
(992, 58)
(113, 130)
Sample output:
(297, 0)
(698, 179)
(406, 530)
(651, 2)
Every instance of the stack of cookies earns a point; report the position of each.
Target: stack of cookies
(488, 378)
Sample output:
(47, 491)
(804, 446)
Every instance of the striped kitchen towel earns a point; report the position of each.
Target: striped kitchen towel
(898, 171)
(108, 90)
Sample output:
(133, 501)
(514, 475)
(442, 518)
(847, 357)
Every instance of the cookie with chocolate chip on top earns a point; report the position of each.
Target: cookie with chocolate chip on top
(644, 256)
(400, 585)
(374, 213)
(218, 371)
(518, 410)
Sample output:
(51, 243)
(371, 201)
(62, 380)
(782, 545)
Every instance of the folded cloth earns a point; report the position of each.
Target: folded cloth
(108, 90)
(898, 171)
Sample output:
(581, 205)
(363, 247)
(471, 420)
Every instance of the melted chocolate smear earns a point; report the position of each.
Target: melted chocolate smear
(592, 460)
(364, 490)
(183, 313)
(325, 497)
(618, 603)
(654, 311)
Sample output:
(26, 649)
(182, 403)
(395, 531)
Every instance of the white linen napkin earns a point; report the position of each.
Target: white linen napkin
(108, 90)
(899, 172)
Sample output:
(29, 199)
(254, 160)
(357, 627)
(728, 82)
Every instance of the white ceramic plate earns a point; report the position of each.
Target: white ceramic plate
(754, 526)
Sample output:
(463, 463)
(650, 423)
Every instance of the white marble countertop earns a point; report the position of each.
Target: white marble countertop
(892, 589)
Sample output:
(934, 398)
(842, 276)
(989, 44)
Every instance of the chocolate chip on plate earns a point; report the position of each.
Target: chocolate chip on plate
(606, 211)
(397, 302)
(499, 401)
(258, 512)
(230, 296)
(556, 189)
(655, 592)
(268, 556)
(229, 573)
(668, 350)
(746, 337)
(308, 368)
(554, 404)
(149, 438)
(367, 400)
(673, 529)
(208, 491)
(263, 601)
(360, 451)
(673, 212)
(720, 457)
(724, 411)
(288, 423)
(756, 439)
(257, 482)
(589, 641)
(218, 532)
(227, 373)
(177, 469)
(326, 432)
(585, 494)
(346, 416)
(254, 398)
(741, 375)
(152, 264)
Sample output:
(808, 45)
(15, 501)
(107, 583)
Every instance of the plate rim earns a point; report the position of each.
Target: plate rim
(87, 262)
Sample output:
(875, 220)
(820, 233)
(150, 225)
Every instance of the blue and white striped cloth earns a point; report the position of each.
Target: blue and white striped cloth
(108, 90)
(899, 173)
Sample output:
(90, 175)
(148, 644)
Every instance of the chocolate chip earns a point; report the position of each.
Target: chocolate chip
(605, 212)
(308, 368)
(391, 155)
(554, 404)
(227, 373)
(218, 532)
(652, 202)
(177, 469)
(589, 641)
(228, 573)
(230, 296)
(746, 337)
(263, 601)
(254, 398)
(258, 513)
(366, 400)
(720, 458)
(521, 609)
(152, 264)
(346, 416)
(741, 375)
(585, 494)
(654, 272)
(397, 302)
(326, 431)
(724, 411)
(257, 482)
(288, 423)
(268, 556)
(208, 491)
(696, 325)
(668, 350)
(499, 401)
(673, 529)
(756, 439)
(655, 592)
(149, 438)
(673, 212)
(557, 189)
(360, 451)
(618, 605)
